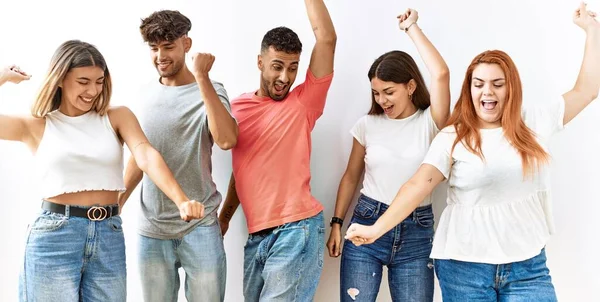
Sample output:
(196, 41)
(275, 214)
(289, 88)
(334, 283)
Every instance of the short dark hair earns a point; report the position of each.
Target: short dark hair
(282, 39)
(398, 67)
(164, 25)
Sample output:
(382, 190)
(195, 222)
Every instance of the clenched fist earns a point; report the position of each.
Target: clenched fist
(202, 63)
(192, 209)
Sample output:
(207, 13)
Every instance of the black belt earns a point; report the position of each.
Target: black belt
(264, 232)
(94, 213)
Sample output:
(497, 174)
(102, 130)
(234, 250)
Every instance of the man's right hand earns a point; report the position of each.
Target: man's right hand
(224, 224)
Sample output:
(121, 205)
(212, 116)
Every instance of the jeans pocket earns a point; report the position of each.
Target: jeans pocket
(48, 222)
(364, 210)
(116, 223)
(425, 219)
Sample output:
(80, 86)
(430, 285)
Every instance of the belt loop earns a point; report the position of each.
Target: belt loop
(67, 211)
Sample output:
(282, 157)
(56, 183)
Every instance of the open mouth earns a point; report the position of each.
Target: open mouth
(279, 88)
(86, 100)
(489, 104)
(388, 110)
(163, 65)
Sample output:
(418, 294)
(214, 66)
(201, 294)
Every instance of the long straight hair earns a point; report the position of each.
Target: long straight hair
(71, 54)
(466, 122)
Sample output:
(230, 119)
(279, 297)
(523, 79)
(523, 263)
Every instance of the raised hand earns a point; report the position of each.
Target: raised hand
(202, 63)
(584, 18)
(13, 74)
(407, 19)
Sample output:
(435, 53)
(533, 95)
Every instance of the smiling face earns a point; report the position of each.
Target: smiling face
(489, 92)
(81, 88)
(168, 57)
(394, 98)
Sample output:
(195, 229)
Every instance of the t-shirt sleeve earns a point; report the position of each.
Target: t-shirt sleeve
(358, 130)
(313, 93)
(547, 118)
(439, 152)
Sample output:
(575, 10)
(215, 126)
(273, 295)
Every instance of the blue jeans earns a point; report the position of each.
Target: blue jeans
(404, 250)
(285, 264)
(201, 255)
(527, 280)
(71, 259)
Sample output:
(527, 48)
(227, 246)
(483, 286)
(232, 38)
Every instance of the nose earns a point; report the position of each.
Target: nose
(487, 90)
(284, 77)
(93, 90)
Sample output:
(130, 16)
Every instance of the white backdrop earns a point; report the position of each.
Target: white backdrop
(546, 46)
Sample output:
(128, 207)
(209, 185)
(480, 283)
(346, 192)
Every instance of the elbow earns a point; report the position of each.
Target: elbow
(443, 75)
(329, 38)
(227, 144)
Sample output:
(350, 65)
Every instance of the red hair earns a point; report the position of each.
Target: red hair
(466, 122)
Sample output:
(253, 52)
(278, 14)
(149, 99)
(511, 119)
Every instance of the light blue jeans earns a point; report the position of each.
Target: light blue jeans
(72, 259)
(522, 281)
(285, 264)
(201, 255)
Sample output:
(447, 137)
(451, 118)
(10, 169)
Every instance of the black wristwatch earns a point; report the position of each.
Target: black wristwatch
(337, 220)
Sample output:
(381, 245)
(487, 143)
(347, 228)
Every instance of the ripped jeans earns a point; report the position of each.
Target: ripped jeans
(404, 250)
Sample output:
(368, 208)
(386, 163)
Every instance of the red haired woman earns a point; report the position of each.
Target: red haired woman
(489, 245)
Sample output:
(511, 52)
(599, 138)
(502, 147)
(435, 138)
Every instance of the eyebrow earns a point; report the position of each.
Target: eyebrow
(86, 79)
(494, 80)
(282, 63)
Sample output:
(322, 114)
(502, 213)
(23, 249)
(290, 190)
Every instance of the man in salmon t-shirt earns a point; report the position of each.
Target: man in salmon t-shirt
(283, 256)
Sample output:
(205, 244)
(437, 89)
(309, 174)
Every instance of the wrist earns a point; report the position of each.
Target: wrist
(201, 76)
(336, 221)
(411, 27)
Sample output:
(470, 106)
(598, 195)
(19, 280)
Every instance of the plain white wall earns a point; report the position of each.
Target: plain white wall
(546, 46)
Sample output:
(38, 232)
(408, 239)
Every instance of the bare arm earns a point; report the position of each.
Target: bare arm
(321, 60)
(133, 176)
(152, 163)
(406, 201)
(588, 81)
(440, 74)
(15, 128)
(348, 185)
(223, 128)
(230, 205)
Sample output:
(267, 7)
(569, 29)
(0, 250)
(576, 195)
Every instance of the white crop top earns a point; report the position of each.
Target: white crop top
(81, 153)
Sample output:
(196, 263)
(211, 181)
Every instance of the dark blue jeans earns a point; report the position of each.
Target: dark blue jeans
(522, 281)
(404, 250)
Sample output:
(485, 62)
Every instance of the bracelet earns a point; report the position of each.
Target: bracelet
(406, 29)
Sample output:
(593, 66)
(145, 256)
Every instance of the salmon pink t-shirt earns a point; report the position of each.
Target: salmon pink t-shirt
(271, 161)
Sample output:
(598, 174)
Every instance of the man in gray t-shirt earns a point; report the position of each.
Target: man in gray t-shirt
(182, 114)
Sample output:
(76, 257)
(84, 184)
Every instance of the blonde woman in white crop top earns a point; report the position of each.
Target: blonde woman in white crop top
(489, 244)
(75, 248)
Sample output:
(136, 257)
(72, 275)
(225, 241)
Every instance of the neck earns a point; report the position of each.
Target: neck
(69, 110)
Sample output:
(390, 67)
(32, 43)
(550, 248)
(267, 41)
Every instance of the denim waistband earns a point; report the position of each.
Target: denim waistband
(381, 207)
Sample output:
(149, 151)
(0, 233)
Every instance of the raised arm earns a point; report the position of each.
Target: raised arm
(321, 60)
(152, 163)
(588, 81)
(15, 128)
(223, 128)
(438, 70)
(406, 201)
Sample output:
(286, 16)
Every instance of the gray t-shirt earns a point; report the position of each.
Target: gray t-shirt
(174, 120)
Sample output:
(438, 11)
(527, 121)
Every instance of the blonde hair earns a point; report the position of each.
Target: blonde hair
(71, 54)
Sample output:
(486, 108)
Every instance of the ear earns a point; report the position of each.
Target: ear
(187, 44)
(412, 86)
(260, 62)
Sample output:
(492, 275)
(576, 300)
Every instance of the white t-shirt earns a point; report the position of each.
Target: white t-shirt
(394, 149)
(494, 214)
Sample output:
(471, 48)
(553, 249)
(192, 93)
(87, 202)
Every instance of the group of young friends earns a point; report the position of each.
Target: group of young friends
(493, 153)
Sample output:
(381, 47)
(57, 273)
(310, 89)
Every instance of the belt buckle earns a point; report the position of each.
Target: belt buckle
(96, 213)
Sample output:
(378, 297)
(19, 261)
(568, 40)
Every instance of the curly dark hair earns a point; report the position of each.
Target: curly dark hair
(164, 25)
(282, 39)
